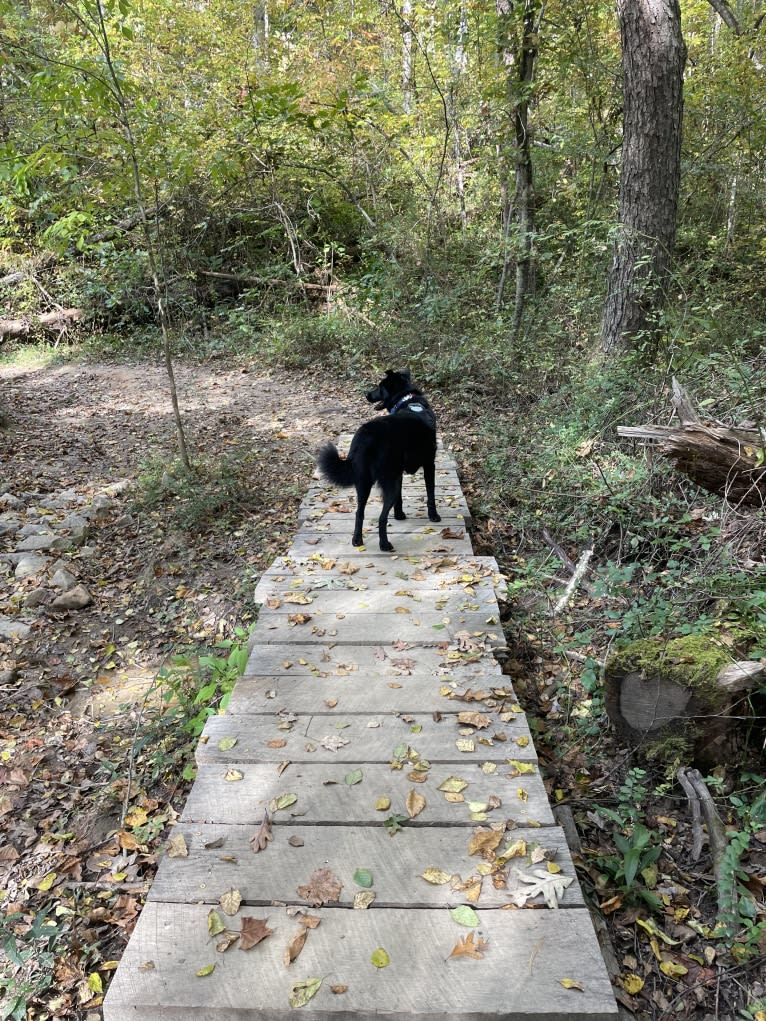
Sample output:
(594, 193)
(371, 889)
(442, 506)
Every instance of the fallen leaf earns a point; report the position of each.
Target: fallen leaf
(277, 742)
(294, 946)
(177, 846)
(363, 899)
(363, 877)
(322, 888)
(338, 989)
(208, 969)
(215, 924)
(298, 618)
(415, 804)
(472, 719)
(228, 939)
(380, 958)
(302, 992)
(230, 901)
(283, 801)
(233, 774)
(538, 882)
(295, 841)
(227, 743)
(632, 984)
(260, 839)
(453, 785)
(309, 921)
(354, 777)
(382, 804)
(569, 983)
(485, 842)
(438, 877)
(467, 948)
(464, 914)
(333, 742)
(253, 931)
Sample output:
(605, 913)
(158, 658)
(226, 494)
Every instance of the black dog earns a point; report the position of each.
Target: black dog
(383, 449)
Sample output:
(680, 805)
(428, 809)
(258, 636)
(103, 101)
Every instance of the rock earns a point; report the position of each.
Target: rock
(9, 524)
(30, 566)
(10, 502)
(8, 676)
(63, 580)
(77, 525)
(39, 541)
(75, 599)
(36, 597)
(86, 552)
(101, 506)
(26, 530)
(14, 628)
(63, 500)
(118, 488)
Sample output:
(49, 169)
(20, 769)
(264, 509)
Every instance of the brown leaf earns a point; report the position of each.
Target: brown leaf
(299, 618)
(478, 720)
(177, 846)
(294, 946)
(260, 839)
(338, 989)
(230, 901)
(467, 948)
(484, 842)
(449, 533)
(277, 742)
(309, 921)
(415, 804)
(253, 931)
(322, 888)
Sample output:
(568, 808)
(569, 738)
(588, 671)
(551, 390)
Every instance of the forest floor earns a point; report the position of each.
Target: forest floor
(89, 783)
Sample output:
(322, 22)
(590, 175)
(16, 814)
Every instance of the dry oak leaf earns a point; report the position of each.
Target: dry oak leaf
(253, 931)
(472, 719)
(323, 887)
(260, 839)
(468, 948)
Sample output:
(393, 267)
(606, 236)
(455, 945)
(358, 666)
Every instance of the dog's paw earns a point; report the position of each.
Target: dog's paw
(358, 540)
(386, 547)
(434, 516)
(400, 516)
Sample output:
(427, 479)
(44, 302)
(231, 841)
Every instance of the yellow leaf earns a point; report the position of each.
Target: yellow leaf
(136, 817)
(569, 983)
(436, 876)
(46, 882)
(673, 970)
(233, 775)
(382, 804)
(522, 794)
(522, 741)
(632, 984)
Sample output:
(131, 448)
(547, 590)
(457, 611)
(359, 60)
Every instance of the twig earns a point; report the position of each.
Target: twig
(131, 763)
(582, 567)
(716, 833)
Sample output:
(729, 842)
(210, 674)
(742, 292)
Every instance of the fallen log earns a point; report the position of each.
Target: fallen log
(57, 321)
(722, 459)
(656, 690)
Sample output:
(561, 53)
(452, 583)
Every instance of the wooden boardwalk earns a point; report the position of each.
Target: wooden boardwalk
(376, 735)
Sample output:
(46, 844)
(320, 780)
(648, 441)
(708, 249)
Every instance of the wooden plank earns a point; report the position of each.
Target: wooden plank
(362, 598)
(406, 540)
(517, 979)
(304, 626)
(397, 864)
(385, 661)
(450, 503)
(344, 524)
(365, 738)
(324, 797)
(357, 693)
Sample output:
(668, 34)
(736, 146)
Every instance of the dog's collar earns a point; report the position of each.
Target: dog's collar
(402, 401)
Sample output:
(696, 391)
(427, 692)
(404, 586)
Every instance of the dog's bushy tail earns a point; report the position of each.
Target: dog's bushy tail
(333, 467)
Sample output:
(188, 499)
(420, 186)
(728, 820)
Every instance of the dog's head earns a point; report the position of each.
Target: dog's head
(390, 389)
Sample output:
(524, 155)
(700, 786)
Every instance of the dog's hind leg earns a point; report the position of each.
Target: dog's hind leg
(429, 474)
(389, 499)
(398, 509)
(362, 496)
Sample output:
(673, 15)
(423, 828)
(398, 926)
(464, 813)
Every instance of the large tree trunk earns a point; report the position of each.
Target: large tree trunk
(653, 57)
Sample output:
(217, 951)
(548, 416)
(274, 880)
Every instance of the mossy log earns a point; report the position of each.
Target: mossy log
(686, 688)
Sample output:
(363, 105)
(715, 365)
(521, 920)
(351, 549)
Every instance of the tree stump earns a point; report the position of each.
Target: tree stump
(687, 689)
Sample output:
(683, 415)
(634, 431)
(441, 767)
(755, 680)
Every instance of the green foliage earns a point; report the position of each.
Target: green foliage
(637, 843)
(30, 959)
(214, 495)
(191, 689)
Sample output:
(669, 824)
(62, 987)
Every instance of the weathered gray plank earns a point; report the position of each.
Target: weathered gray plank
(412, 541)
(364, 738)
(450, 503)
(385, 661)
(397, 864)
(324, 797)
(358, 693)
(518, 979)
(285, 597)
(306, 626)
(344, 525)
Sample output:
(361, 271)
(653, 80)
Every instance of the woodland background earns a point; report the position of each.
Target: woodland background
(329, 189)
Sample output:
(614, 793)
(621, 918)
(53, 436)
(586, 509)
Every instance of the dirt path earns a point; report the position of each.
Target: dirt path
(172, 573)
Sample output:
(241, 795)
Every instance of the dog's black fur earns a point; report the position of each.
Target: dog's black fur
(383, 449)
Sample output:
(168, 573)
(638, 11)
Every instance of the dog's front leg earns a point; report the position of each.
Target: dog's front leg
(362, 495)
(429, 474)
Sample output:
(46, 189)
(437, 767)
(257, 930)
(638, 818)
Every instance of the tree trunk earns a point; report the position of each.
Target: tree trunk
(653, 57)
(407, 48)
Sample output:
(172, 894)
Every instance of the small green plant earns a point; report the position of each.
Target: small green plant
(30, 957)
(637, 844)
(738, 920)
(191, 690)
